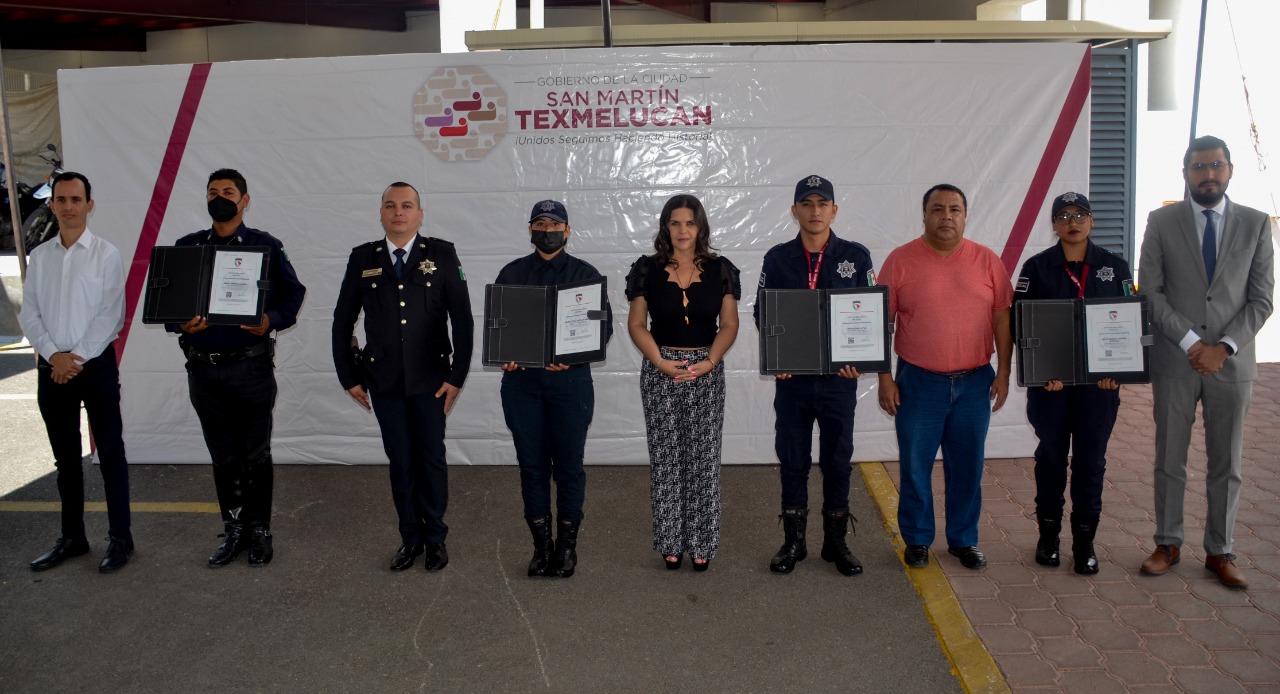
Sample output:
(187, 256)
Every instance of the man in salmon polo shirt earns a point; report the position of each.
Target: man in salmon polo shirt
(949, 298)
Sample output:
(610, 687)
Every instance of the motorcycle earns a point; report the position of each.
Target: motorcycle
(26, 203)
(41, 225)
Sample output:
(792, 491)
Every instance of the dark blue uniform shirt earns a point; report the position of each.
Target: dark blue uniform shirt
(532, 270)
(283, 300)
(845, 264)
(1044, 275)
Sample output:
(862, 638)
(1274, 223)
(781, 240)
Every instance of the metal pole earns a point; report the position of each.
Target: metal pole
(608, 23)
(11, 177)
(1195, 96)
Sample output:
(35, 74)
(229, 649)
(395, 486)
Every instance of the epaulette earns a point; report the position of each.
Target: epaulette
(437, 240)
(369, 244)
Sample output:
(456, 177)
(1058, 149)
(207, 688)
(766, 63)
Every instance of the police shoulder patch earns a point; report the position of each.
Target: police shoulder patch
(762, 278)
(1023, 285)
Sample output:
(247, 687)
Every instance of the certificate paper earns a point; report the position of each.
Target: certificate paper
(234, 290)
(857, 327)
(575, 332)
(1113, 337)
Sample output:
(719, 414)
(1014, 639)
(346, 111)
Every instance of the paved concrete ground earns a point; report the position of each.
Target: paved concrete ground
(1120, 631)
(327, 615)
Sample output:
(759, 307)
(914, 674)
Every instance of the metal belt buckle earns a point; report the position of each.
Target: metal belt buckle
(212, 358)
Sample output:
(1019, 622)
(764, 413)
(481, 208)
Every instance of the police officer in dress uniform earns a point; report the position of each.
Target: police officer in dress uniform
(815, 259)
(409, 287)
(231, 374)
(1079, 418)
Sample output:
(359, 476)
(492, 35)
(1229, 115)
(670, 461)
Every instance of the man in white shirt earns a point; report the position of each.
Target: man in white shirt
(72, 310)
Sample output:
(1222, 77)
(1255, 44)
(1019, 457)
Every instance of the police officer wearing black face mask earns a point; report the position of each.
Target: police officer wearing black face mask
(230, 371)
(549, 410)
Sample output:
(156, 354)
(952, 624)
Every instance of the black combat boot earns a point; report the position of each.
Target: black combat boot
(566, 554)
(834, 549)
(233, 541)
(1050, 525)
(543, 545)
(793, 548)
(1083, 529)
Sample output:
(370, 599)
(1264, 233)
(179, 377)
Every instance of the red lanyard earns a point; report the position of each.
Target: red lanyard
(1082, 280)
(813, 269)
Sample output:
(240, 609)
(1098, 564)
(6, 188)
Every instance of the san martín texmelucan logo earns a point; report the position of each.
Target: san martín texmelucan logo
(460, 113)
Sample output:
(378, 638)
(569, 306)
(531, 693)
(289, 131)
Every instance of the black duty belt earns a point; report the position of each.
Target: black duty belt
(228, 356)
(955, 374)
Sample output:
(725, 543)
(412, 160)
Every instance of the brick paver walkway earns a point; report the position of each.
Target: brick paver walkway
(1120, 631)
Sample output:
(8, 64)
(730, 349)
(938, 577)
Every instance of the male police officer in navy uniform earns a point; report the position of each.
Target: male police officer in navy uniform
(231, 373)
(815, 259)
(409, 287)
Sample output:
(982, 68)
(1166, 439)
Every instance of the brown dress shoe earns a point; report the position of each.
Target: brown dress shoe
(1224, 565)
(1160, 560)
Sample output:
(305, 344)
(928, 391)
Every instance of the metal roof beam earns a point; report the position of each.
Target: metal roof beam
(312, 12)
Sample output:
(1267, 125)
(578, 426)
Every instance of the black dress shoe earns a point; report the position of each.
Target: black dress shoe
(117, 555)
(233, 541)
(916, 556)
(673, 564)
(405, 556)
(260, 551)
(970, 557)
(64, 548)
(701, 564)
(437, 557)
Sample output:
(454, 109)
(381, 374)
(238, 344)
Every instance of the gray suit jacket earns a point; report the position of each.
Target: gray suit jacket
(1236, 303)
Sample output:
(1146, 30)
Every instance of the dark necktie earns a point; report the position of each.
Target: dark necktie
(399, 266)
(1209, 247)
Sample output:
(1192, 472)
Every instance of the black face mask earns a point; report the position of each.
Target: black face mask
(222, 209)
(549, 241)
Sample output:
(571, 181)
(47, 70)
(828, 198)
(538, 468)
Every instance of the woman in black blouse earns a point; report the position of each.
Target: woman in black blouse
(684, 318)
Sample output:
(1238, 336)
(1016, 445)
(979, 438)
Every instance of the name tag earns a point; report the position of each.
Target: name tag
(372, 273)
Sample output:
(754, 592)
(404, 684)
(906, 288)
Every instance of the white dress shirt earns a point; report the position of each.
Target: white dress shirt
(73, 299)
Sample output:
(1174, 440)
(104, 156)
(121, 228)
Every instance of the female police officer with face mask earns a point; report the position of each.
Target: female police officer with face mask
(549, 410)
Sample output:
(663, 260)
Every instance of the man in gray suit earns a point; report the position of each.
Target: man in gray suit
(1207, 269)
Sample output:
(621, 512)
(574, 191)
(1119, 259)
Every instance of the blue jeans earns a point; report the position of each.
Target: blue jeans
(952, 413)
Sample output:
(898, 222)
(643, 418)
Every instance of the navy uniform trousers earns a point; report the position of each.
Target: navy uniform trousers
(548, 413)
(1077, 416)
(235, 403)
(413, 438)
(798, 402)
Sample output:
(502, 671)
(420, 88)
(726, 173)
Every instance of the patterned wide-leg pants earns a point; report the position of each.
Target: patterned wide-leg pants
(684, 422)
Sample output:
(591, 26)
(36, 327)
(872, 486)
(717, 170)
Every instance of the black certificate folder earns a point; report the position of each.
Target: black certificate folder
(1079, 341)
(535, 326)
(225, 284)
(812, 332)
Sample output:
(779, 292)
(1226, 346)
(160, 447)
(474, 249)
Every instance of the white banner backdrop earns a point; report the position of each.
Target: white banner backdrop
(612, 133)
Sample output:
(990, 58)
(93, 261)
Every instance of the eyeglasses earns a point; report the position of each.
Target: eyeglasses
(1217, 166)
(1067, 217)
